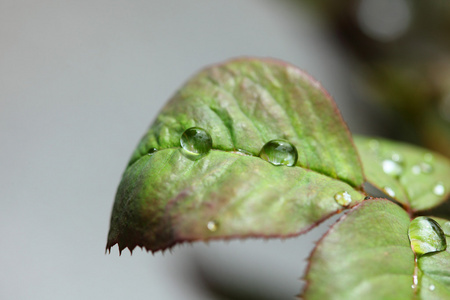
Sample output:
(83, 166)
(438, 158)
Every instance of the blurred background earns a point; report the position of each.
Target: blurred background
(81, 81)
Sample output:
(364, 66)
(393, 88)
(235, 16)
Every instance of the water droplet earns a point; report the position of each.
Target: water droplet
(212, 226)
(343, 198)
(279, 152)
(431, 287)
(151, 151)
(195, 143)
(391, 167)
(389, 191)
(439, 189)
(368, 198)
(446, 228)
(396, 157)
(422, 167)
(426, 236)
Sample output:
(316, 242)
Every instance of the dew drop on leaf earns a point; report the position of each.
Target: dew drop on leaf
(195, 143)
(343, 198)
(212, 226)
(431, 287)
(388, 190)
(152, 150)
(439, 189)
(426, 236)
(392, 167)
(279, 152)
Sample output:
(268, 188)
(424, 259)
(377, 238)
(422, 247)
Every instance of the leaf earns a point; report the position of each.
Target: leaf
(435, 268)
(367, 255)
(166, 198)
(245, 103)
(411, 175)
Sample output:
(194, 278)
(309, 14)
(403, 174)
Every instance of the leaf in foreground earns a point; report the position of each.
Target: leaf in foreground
(367, 255)
(167, 196)
(411, 175)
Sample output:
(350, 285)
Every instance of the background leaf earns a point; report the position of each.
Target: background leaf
(366, 255)
(411, 175)
(166, 198)
(245, 103)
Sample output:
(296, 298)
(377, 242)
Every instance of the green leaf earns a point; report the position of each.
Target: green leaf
(435, 269)
(245, 103)
(367, 255)
(166, 198)
(411, 175)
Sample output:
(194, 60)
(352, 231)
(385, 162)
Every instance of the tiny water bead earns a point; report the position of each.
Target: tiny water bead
(431, 287)
(343, 198)
(243, 152)
(388, 190)
(426, 236)
(151, 151)
(439, 189)
(195, 142)
(212, 226)
(392, 167)
(422, 168)
(279, 152)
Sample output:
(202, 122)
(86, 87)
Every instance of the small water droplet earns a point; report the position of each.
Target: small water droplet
(439, 189)
(195, 143)
(396, 157)
(212, 226)
(391, 167)
(279, 152)
(422, 168)
(431, 287)
(389, 191)
(343, 198)
(151, 151)
(426, 236)
(446, 228)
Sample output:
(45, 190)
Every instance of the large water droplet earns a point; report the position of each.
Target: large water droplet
(426, 236)
(151, 151)
(212, 226)
(279, 152)
(343, 198)
(439, 189)
(389, 191)
(195, 143)
(392, 167)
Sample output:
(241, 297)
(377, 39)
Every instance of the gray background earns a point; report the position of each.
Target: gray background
(80, 81)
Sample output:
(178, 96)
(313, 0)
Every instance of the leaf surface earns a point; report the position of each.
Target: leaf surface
(367, 255)
(165, 198)
(411, 175)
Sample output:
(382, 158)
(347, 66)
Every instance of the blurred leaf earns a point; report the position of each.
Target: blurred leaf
(367, 255)
(411, 175)
(165, 198)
